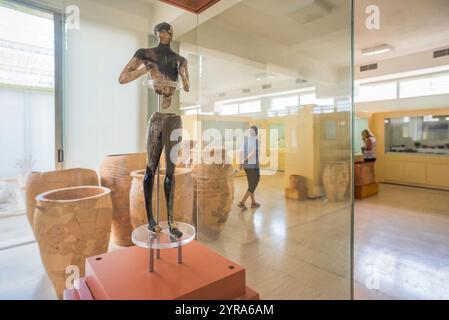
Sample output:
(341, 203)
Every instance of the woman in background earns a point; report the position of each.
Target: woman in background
(369, 147)
(251, 167)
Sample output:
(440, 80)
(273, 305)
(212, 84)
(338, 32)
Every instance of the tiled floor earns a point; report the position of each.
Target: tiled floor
(402, 244)
(291, 249)
(300, 250)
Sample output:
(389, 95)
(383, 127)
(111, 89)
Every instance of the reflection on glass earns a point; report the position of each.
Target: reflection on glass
(277, 71)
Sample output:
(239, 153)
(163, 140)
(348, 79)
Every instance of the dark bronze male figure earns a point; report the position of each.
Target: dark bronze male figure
(164, 67)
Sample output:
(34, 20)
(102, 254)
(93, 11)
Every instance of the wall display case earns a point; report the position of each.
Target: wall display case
(282, 67)
(419, 134)
(414, 150)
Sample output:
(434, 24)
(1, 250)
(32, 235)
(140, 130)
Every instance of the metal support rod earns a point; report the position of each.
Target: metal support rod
(151, 268)
(180, 254)
(158, 208)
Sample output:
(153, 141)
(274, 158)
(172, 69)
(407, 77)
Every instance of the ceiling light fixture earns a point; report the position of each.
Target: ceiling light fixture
(377, 50)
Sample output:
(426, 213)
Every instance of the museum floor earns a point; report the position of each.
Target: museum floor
(298, 250)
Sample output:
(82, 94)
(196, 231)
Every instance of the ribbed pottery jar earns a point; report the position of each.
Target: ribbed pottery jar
(115, 174)
(336, 178)
(40, 182)
(182, 201)
(214, 193)
(71, 225)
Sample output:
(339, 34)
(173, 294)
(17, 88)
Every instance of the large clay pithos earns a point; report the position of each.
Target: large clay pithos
(115, 174)
(214, 193)
(71, 225)
(183, 198)
(336, 180)
(40, 182)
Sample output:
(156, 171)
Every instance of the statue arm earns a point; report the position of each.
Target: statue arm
(184, 73)
(135, 68)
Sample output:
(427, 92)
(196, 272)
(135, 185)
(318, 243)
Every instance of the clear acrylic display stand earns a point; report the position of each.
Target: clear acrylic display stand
(145, 238)
(142, 236)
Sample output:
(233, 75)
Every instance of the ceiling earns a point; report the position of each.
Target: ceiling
(321, 28)
(195, 6)
(283, 38)
(410, 26)
(307, 39)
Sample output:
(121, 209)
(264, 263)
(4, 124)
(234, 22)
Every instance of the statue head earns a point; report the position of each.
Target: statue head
(164, 32)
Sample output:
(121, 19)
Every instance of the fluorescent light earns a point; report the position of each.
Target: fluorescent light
(190, 108)
(269, 95)
(377, 50)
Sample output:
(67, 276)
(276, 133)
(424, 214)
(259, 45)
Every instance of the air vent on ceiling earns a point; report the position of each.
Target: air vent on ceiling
(299, 81)
(246, 90)
(222, 94)
(441, 53)
(266, 86)
(368, 67)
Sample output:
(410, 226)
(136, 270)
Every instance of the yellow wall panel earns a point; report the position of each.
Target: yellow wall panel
(394, 171)
(414, 172)
(438, 175)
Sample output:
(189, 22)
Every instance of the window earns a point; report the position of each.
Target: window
(283, 103)
(250, 107)
(305, 99)
(343, 106)
(415, 88)
(244, 107)
(433, 84)
(440, 84)
(377, 92)
(26, 48)
(191, 112)
(227, 109)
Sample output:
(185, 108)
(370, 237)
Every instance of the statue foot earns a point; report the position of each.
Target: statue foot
(175, 232)
(154, 228)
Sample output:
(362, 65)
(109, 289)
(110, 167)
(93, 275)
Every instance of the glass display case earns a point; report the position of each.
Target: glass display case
(420, 135)
(282, 67)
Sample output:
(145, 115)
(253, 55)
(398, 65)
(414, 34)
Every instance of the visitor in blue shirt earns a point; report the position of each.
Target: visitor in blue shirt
(251, 167)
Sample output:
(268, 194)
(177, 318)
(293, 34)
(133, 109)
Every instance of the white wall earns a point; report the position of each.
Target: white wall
(101, 116)
(405, 64)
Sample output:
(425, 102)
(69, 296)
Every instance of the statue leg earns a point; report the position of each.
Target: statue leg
(154, 150)
(171, 157)
(148, 184)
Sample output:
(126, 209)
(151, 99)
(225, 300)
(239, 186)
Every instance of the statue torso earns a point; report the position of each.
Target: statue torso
(162, 62)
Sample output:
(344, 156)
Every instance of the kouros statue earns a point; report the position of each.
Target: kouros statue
(164, 67)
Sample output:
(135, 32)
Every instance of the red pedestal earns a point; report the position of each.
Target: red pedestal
(124, 275)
